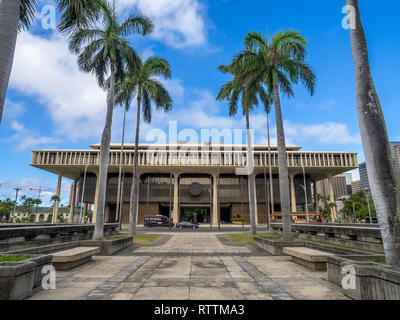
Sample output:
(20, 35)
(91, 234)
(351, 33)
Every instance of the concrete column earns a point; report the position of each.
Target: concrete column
(96, 194)
(331, 198)
(292, 193)
(255, 200)
(72, 204)
(215, 201)
(315, 197)
(176, 199)
(56, 203)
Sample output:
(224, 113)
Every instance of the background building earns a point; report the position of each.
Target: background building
(339, 186)
(180, 178)
(355, 186)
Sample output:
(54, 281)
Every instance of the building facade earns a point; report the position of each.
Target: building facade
(355, 186)
(339, 187)
(209, 179)
(364, 177)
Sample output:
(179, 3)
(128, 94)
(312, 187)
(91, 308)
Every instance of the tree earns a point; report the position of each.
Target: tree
(16, 15)
(278, 62)
(141, 81)
(103, 51)
(6, 207)
(382, 172)
(249, 92)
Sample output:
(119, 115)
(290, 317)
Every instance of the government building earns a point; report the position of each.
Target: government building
(187, 180)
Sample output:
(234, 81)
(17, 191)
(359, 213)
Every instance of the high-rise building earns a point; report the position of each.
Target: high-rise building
(339, 186)
(355, 186)
(364, 177)
(349, 180)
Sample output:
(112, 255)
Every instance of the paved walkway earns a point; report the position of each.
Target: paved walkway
(191, 266)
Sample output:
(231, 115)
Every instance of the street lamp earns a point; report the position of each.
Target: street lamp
(369, 210)
(17, 189)
(305, 193)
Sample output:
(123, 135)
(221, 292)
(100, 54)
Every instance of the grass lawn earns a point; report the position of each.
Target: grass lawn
(146, 238)
(14, 257)
(247, 238)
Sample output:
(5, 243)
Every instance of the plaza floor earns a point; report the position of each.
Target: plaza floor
(194, 266)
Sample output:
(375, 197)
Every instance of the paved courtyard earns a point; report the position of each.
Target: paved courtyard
(191, 266)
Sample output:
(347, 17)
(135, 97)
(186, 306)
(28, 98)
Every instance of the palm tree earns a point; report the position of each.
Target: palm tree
(102, 51)
(250, 94)
(271, 183)
(278, 62)
(141, 81)
(16, 15)
(382, 174)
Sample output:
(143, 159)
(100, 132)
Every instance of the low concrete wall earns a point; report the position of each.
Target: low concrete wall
(16, 280)
(109, 247)
(366, 237)
(373, 281)
(16, 237)
(274, 248)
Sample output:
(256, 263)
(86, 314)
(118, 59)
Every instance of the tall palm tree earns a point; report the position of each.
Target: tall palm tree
(270, 210)
(381, 167)
(16, 15)
(142, 82)
(278, 62)
(103, 51)
(250, 93)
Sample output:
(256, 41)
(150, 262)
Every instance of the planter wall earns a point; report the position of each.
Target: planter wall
(275, 248)
(109, 247)
(16, 280)
(373, 281)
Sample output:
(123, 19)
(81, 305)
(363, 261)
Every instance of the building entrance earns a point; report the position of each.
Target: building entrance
(195, 215)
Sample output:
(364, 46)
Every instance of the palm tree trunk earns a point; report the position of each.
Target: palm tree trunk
(104, 159)
(381, 168)
(251, 180)
(271, 184)
(120, 168)
(133, 213)
(283, 170)
(9, 17)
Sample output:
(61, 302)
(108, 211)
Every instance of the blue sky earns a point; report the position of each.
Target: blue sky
(50, 104)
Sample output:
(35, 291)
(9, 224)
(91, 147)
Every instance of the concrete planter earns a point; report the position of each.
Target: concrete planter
(16, 279)
(373, 281)
(109, 247)
(273, 247)
(41, 261)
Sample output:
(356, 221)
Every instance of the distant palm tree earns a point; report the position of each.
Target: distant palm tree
(103, 51)
(250, 94)
(141, 81)
(278, 62)
(16, 15)
(382, 172)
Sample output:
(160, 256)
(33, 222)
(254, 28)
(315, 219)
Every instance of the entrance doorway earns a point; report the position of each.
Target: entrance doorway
(225, 214)
(195, 215)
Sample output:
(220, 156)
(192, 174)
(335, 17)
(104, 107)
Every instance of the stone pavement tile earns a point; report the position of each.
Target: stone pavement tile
(215, 293)
(162, 293)
(239, 275)
(67, 291)
(169, 283)
(312, 290)
(121, 296)
(128, 287)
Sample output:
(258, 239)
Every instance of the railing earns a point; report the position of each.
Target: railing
(194, 158)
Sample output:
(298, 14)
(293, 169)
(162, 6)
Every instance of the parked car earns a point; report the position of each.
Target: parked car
(374, 220)
(157, 221)
(186, 224)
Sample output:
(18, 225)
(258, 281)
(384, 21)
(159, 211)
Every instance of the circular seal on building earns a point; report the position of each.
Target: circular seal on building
(195, 189)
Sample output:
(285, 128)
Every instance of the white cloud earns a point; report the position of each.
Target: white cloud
(13, 110)
(178, 23)
(326, 133)
(24, 138)
(45, 68)
(25, 184)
